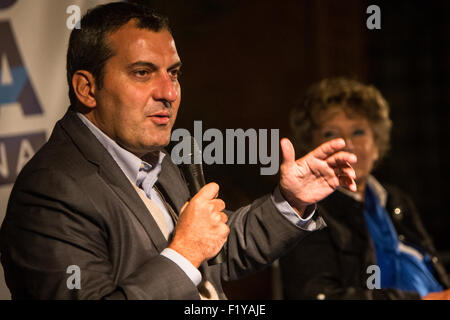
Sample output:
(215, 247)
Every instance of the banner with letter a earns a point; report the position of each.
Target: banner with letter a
(33, 89)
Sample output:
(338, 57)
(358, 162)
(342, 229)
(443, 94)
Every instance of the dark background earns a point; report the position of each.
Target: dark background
(245, 63)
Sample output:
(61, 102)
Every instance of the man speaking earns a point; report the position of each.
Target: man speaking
(103, 199)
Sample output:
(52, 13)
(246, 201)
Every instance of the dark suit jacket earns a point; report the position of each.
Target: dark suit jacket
(72, 205)
(332, 263)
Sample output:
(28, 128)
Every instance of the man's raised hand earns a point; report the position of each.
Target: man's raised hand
(316, 175)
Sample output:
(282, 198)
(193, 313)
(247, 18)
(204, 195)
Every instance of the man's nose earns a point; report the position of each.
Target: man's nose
(166, 89)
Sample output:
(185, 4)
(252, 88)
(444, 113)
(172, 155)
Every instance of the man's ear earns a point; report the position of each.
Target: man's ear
(83, 83)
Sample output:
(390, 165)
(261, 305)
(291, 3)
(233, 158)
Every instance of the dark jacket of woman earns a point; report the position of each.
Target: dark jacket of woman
(332, 263)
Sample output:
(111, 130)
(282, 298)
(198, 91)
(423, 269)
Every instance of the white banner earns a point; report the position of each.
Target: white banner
(33, 89)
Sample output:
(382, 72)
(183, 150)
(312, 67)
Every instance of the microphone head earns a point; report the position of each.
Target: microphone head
(196, 152)
(193, 169)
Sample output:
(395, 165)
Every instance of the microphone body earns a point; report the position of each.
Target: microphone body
(195, 179)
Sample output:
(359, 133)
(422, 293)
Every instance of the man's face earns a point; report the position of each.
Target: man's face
(138, 102)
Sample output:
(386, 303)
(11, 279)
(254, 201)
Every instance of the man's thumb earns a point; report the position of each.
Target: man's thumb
(208, 192)
(288, 151)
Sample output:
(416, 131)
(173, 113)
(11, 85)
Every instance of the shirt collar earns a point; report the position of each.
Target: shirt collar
(127, 161)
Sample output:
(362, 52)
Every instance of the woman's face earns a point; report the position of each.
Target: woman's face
(357, 133)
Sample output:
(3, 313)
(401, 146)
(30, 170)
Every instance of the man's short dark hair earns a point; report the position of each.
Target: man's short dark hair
(88, 49)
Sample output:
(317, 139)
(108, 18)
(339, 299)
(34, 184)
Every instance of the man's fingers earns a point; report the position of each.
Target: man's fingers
(220, 217)
(328, 148)
(341, 159)
(218, 204)
(346, 171)
(339, 176)
(288, 151)
(208, 192)
(348, 183)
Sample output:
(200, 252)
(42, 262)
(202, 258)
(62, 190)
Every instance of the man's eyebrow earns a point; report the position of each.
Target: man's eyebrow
(151, 65)
(175, 65)
(142, 64)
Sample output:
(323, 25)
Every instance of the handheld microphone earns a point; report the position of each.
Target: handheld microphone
(193, 173)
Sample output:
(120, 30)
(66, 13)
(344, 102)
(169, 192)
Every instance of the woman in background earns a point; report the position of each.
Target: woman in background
(376, 226)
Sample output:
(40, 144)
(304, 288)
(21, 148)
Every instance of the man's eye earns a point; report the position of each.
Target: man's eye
(141, 73)
(175, 73)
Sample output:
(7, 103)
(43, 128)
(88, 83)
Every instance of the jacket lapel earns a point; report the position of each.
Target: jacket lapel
(172, 184)
(109, 170)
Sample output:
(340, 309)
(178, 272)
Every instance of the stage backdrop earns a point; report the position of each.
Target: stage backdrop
(33, 89)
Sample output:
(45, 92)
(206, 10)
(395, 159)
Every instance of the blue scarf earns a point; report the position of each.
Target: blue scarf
(399, 270)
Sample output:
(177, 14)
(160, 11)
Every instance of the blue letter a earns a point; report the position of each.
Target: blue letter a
(18, 88)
